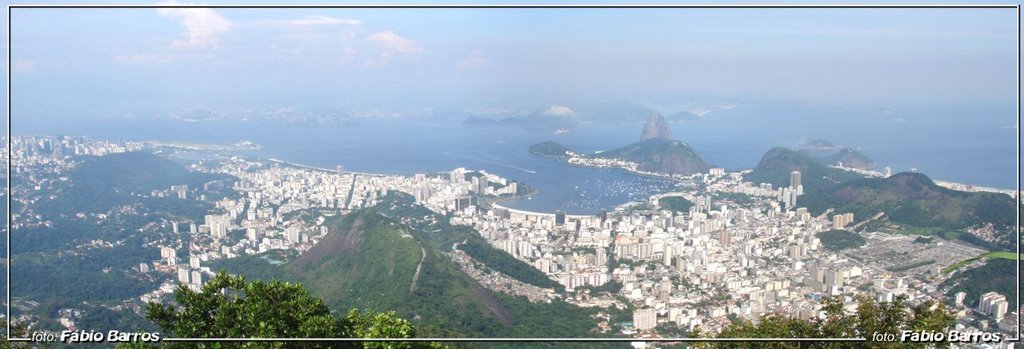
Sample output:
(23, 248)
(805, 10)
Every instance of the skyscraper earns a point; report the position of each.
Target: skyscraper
(794, 182)
(481, 185)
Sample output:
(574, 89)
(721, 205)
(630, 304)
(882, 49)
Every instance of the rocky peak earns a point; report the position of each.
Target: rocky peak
(656, 127)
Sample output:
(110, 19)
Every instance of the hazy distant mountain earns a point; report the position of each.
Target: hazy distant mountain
(554, 118)
(660, 155)
(656, 127)
(777, 164)
(617, 112)
(818, 144)
(850, 158)
(683, 116)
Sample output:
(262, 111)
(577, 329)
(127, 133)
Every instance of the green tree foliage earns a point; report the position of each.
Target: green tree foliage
(997, 275)
(675, 203)
(869, 319)
(17, 331)
(836, 240)
(231, 307)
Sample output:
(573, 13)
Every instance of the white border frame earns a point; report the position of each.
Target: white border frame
(10, 7)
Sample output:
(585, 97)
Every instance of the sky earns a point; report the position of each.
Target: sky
(80, 61)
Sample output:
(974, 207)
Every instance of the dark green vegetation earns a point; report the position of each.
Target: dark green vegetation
(231, 307)
(549, 149)
(675, 203)
(56, 265)
(106, 181)
(838, 240)
(996, 274)
(777, 164)
(992, 254)
(661, 156)
(869, 319)
(392, 257)
(912, 200)
(506, 264)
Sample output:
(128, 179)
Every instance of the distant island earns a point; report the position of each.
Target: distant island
(655, 154)
(550, 149)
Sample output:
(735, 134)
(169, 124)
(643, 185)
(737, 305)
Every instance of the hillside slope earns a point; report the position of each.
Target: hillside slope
(777, 164)
(913, 199)
(660, 155)
(392, 257)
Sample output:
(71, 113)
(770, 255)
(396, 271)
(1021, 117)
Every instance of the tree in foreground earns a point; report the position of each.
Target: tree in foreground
(231, 307)
(869, 318)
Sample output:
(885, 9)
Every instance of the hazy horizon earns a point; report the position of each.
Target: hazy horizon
(70, 62)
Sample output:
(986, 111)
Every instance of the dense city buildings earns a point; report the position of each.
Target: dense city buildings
(741, 251)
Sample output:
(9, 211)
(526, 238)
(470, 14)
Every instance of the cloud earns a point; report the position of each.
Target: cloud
(314, 20)
(24, 66)
(203, 26)
(390, 44)
(143, 58)
(475, 59)
(559, 110)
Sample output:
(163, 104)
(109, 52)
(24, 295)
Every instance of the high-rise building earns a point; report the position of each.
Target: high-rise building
(993, 304)
(645, 319)
(183, 276)
(481, 185)
(197, 278)
(794, 179)
(559, 218)
(840, 221)
(167, 252)
(462, 203)
(292, 234)
(602, 256)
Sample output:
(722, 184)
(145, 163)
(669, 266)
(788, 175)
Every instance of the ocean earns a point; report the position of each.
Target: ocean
(967, 145)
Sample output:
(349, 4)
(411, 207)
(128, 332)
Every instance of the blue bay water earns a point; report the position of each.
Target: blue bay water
(968, 145)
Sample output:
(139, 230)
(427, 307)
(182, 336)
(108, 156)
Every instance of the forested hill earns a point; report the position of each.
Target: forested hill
(777, 164)
(913, 199)
(395, 256)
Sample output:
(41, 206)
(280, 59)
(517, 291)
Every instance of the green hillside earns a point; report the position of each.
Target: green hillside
(549, 149)
(370, 259)
(105, 181)
(660, 155)
(675, 203)
(838, 240)
(999, 275)
(913, 200)
(777, 164)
